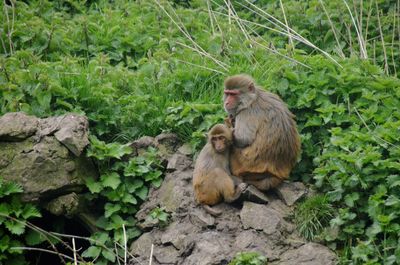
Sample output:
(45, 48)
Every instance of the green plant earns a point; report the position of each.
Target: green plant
(123, 184)
(138, 68)
(249, 258)
(161, 215)
(313, 215)
(13, 216)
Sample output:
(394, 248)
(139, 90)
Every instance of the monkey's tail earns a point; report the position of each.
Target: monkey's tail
(212, 211)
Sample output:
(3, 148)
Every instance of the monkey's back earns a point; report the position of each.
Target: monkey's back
(277, 142)
(207, 169)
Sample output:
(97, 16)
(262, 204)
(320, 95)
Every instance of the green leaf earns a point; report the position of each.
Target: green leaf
(30, 211)
(92, 252)
(108, 255)
(110, 209)
(16, 228)
(111, 180)
(34, 238)
(142, 193)
(93, 185)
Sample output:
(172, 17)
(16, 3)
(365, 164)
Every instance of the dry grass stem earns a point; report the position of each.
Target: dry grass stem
(339, 48)
(287, 25)
(44, 250)
(197, 47)
(151, 254)
(203, 67)
(361, 42)
(307, 42)
(74, 248)
(386, 66)
(125, 245)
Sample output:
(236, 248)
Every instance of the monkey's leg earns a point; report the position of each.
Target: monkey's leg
(266, 183)
(236, 180)
(226, 186)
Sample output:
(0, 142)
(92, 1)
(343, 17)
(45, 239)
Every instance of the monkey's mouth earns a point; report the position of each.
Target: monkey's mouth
(219, 150)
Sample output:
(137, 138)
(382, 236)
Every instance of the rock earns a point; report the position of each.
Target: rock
(44, 168)
(185, 149)
(148, 223)
(17, 126)
(290, 192)
(73, 132)
(64, 205)
(166, 254)
(309, 254)
(39, 160)
(194, 237)
(252, 194)
(176, 234)
(167, 141)
(171, 194)
(201, 218)
(252, 242)
(142, 246)
(210, 248)
(178, 162)
(260, 217)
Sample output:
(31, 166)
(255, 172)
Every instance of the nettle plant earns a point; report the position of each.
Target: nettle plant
(122, 186)
(14, 215)
(349, 121)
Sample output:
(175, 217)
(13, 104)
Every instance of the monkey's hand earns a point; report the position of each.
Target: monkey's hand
(228, 122)
(242, 186)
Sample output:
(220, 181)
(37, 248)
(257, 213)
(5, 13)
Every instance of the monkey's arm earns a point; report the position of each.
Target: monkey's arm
(245, 131)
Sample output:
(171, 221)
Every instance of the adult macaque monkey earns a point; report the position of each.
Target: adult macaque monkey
(212, 182)
(266, 141)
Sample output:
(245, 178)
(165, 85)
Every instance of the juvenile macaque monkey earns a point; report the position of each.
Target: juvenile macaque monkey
(212, 182)
(266, 143)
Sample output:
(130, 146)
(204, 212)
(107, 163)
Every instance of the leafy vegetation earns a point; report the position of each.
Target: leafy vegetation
(313, 215)
(249, 258)
(13, 216)
(140, 68)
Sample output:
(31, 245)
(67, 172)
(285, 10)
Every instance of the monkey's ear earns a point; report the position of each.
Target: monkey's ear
(252, 87)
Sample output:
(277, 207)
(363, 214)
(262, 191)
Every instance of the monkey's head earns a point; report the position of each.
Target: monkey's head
(239, 93)
(220, 137)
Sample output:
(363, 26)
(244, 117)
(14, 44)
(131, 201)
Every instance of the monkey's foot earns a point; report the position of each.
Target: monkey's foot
(252, 194)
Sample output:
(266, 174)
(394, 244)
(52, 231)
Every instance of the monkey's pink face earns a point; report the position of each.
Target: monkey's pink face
(219, 143)
(231, 99)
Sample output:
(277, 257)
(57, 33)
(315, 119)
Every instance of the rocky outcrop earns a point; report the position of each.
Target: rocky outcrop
(45, 156)
(193, 237)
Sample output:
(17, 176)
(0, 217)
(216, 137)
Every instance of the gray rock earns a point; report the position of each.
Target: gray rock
(252, 194)
(171, 194)
(176, 234)
(210, 248)
(73, 132)
(260, 217)
(16, 126)
(290, 192)
(185, 149)
(201, 219)
(194, 237)
(309, 254)
(167, 141)
(142, 246)
(67, 205)
(178, 162)
(44, 168)
(166, 254)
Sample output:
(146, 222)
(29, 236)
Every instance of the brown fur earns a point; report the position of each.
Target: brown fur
(266, 141)
(212, 182)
